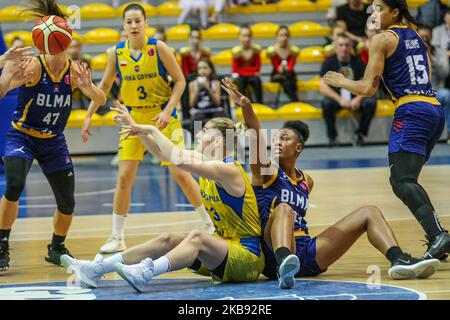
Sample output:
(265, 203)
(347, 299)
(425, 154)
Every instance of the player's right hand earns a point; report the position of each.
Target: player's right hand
(85, 133)
(17, 54)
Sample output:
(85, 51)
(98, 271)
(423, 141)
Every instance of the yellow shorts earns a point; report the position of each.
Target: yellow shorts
(131, 148)
(241, 266)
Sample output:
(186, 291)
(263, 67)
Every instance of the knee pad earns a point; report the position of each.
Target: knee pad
(14, 189)
(65, 204)
(404, 190)
(63, 186)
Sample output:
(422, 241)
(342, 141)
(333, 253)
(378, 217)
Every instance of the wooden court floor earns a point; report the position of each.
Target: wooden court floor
(336, 193)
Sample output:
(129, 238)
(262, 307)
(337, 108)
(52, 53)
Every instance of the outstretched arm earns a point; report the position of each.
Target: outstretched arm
(16, 55)
(368, 86)
(15, 74)
(83, 79)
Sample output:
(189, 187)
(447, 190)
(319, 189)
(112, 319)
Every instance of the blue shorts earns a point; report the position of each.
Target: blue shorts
(52, 154)
(306, 253)
(417, 127)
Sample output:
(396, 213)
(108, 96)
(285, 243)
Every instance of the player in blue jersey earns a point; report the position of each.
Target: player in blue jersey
(45, 87)
(419, 118)
(283, 191)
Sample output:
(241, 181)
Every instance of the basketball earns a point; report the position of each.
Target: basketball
(52, 35)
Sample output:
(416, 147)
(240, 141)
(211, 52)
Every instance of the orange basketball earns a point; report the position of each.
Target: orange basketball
(52, 35)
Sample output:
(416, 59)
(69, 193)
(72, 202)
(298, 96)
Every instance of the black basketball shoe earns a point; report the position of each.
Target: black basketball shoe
(438, 247)
(408, 267)
(54, 254)
(4, 256)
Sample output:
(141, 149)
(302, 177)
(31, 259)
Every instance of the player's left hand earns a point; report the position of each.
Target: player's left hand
(17, 54)
(238, 97)
(333, 79)
(82, 75)
(162, 120)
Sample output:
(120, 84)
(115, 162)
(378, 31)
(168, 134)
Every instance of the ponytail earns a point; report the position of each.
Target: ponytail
(402, 7)
(42, 8)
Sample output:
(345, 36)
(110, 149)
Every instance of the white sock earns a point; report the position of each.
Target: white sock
(161, 265)
(119, 225)
(203, 214)
(108, 263)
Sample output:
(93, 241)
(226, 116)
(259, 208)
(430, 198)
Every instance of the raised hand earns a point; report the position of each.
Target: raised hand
(18, 54)
(82, 75)
(123, 117)
(229, 88)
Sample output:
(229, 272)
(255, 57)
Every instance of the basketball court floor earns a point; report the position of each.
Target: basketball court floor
(345, 179)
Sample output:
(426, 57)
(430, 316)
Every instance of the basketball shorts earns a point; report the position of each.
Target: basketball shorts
(131, 148)
(52, 154)
(417, 127)
(306, 253)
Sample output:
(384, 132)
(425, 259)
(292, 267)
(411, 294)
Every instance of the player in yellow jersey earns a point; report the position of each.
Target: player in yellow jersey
(232, 254)
(143, 65)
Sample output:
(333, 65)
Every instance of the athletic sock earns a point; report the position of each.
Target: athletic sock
(429, 221)
(394, 253)
(161, 265)
(281, 254)
(119, 225)
(57, 241)
(4, 236)
(108, 263)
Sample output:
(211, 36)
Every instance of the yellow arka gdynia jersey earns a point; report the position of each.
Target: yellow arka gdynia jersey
(144, 79)
(235, 219)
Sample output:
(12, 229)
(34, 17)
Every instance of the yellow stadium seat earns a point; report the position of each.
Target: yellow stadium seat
(223, 31)
(323, 5)
(99, 62)
(414, 4)
(222, 58)
(24, 35)
(150, 10)
(252, 9)
(385, 108)
(299, 111)
(178, 33)
(263, 112)
(296, 6)
(149, 31)
(107, 118)
(311, 55)
(308, 29)
(264, 58)
(98, 11)
(271, 87)
(11, 14)
(77, 118)
(169, 8)
(102, 36)
(77, 36)
(264, 30)
(310, 85)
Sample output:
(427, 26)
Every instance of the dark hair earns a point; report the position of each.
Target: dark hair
(402, 7)
(300, 128)
(42, 8)
(246, 26)
(425, 27)
(284, 27)
(211, 65)
(134, 6)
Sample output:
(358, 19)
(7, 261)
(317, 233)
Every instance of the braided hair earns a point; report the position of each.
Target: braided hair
(402, 7)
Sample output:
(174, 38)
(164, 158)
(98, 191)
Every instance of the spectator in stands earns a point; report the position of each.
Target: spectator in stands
(431, 13)
(219, 8)
(440, 71)
(283, 57)
(17, 43)
(336, 99)
(353, 17)
(329, 48)
(205, 95)
(194, 7)
(331, 13)
(191, 55)
(246, 65)
(362, 48)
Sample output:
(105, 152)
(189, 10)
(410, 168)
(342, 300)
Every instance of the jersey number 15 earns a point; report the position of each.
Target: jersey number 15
(415, 68)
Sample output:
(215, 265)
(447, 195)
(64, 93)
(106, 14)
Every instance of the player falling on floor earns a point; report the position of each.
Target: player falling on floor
(419, 118)
(144, 65)
(45, 87)
(283, 192)
(232, 254)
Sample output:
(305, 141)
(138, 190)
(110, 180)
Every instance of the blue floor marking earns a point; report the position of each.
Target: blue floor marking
(203, 289)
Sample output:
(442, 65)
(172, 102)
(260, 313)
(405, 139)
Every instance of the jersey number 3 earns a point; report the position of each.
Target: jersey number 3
(142, 93)
(415, 67)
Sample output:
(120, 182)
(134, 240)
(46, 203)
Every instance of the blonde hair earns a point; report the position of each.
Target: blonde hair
(225, 125)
